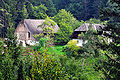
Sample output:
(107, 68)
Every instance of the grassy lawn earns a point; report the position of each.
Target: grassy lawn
(56, 50)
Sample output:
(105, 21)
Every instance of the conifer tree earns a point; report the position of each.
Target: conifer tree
(111, 67)
(50, 6)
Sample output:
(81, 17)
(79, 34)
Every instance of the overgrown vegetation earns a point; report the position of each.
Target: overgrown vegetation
(97, 59)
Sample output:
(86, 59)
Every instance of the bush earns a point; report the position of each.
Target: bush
(72, 67)
(13, 67)
(72, 50)
(72, 42)
(42, 43)
(46, 67)
(10, 58)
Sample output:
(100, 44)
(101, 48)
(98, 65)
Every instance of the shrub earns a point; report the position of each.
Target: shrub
(72, 67)
(13, 64)
(42, 43)
(72, 42)
(46, 67)
(71, 49)
(10, 59)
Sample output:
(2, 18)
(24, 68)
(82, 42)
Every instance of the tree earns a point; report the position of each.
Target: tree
(50, 6)
(36, 12)
(11, 13)
(67, 24)
(21, 12)
(66, 17)
(111, 67)
(74, 6)
(64, 33)
(81, 9)
(4, 17)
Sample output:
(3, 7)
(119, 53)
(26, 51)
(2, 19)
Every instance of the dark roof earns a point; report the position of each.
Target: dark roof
(32, 26)
(85, 27)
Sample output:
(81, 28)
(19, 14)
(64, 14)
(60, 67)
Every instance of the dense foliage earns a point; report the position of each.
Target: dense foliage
(46, 67)
(34, 64)
(98, 58)
(67, 24)
(111, 67)
(10, 59)
(13, 11)
(81, 9)
(72, 50)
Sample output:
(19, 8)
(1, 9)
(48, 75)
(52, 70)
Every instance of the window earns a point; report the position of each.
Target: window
(28, 34)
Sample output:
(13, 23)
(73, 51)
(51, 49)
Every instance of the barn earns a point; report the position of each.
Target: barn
(29, 27)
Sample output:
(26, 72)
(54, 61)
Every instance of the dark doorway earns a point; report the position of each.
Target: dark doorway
(28, 34)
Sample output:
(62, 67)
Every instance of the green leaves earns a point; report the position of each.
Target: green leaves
(63, 16)
(118, 44)
(81, 9)
(46, 67)
(10, 59)
(67, 24)
(50, 21)
(64, 33)
(37, 12)
(111, 13)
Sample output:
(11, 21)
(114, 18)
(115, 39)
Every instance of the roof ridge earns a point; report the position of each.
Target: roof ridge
(34, 19)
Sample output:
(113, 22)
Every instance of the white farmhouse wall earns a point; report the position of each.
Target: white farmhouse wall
(80, 42)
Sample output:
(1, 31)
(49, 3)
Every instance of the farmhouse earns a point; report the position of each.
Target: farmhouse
(29, 27)
(83, 28)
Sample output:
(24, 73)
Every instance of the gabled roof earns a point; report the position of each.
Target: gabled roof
(32, 26)
(85, 27)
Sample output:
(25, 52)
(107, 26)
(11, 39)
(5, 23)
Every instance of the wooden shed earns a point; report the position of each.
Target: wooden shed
(29, 27)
